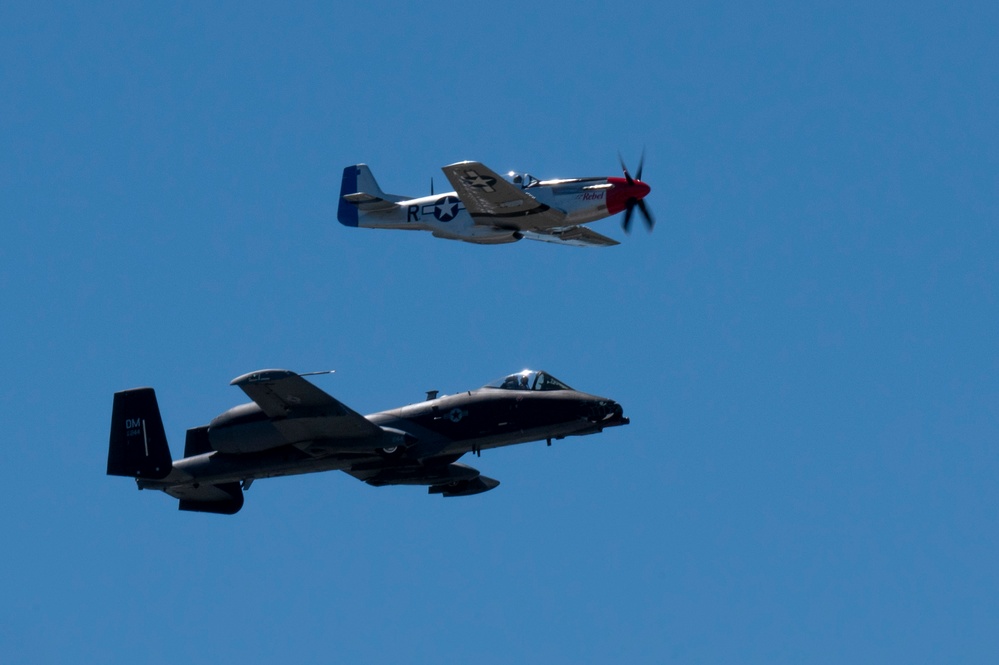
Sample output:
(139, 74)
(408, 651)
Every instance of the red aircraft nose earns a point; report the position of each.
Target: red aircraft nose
(622, 191)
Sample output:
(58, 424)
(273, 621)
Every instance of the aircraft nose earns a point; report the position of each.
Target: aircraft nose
(605, 411)
(636, 189)
(624, 193)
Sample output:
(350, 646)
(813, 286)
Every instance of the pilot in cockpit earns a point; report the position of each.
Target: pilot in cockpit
(525, 180)
(528, 380)
(511, 383)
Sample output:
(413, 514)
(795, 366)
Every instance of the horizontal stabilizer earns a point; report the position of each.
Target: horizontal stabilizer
(369, 203)
(359, 192)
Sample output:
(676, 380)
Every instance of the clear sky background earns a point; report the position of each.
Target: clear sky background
(806, 344)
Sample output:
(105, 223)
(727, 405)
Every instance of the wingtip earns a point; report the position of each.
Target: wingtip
(261, 376)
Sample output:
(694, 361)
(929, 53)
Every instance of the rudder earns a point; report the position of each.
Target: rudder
(360, 190)
(138, 445)
(346, 212)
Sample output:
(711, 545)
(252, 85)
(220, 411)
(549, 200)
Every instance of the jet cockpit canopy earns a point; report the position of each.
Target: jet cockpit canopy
(528, 380)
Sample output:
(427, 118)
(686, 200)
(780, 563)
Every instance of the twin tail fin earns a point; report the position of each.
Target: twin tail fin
(138, 446)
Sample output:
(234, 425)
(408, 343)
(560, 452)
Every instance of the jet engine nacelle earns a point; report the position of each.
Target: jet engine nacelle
(244, 429)
(395, 439)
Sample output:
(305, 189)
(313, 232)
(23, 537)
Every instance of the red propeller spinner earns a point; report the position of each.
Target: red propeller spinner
(627, 193)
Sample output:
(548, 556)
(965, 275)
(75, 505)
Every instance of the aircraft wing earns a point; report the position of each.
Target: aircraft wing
(578, 236)
(493, 201)
(300, 410)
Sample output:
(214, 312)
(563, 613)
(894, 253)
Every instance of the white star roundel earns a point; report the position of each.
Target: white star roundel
(446, 208)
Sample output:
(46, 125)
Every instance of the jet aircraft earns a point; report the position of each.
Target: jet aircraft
(488, 209)
(293, 427)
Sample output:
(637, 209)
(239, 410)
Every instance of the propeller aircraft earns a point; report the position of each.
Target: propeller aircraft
(490, 209)
(293, 427)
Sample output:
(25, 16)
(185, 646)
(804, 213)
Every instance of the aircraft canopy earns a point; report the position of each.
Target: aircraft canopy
(525, 180)
(528, 380)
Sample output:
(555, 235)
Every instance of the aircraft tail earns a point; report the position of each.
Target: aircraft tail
(359, 192)
(138, 446)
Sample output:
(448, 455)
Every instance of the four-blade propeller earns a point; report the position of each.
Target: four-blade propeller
(636, 201)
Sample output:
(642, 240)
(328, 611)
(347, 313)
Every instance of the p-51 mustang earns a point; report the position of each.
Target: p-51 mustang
(293, 427)
(488, 209)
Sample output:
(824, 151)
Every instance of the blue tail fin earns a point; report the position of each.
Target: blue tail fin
(359, 191)
(346, 212)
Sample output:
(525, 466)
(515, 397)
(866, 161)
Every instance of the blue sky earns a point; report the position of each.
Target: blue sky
(806, 344)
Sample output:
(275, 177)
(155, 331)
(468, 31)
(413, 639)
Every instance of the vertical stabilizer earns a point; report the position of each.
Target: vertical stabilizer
(366, 183)
(360, 194)
(138, 446)
(346, 212)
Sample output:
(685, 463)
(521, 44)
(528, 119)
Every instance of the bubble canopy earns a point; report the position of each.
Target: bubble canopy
(528, 380)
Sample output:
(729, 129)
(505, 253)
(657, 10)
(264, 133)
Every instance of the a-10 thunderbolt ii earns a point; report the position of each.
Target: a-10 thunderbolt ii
(293, 427)
(488, 209)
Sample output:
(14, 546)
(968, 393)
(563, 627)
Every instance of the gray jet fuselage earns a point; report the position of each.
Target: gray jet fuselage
(451, 425)
(292, 427)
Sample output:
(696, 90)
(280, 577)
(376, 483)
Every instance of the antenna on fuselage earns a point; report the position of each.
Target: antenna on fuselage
(431, 185)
